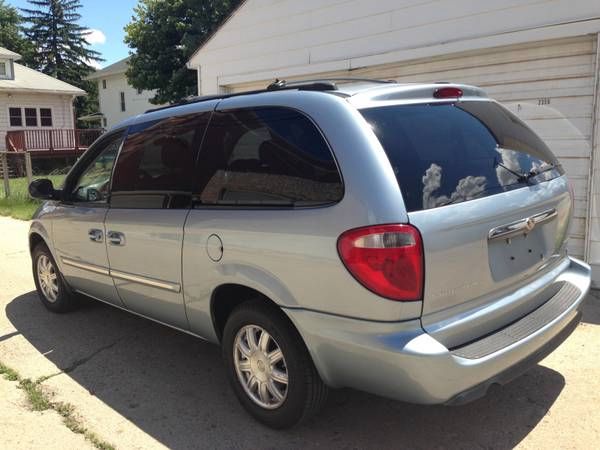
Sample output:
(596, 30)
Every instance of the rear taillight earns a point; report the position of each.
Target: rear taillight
(386, 259)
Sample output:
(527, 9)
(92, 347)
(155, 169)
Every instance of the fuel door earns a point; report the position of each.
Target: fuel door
(214, 247)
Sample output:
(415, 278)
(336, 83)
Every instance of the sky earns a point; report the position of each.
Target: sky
(106, 18)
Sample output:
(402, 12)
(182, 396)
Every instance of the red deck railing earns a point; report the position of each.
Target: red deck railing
(55, 140)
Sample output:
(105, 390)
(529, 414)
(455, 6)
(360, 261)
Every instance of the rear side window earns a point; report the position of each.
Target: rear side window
(266, 157)
(159, 155)
(450, 153)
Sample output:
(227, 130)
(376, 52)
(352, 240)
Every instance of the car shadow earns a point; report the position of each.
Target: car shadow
(591, 308)
(173, 387)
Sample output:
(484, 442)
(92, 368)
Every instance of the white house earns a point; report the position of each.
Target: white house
(118, 99)
(32, 102)
(540, 58)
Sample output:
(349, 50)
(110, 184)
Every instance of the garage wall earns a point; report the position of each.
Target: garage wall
(593, 249)
(549, 84)
(284, 37)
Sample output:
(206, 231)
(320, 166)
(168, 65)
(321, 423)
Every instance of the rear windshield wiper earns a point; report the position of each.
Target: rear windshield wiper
(525, 177)
(521, 177)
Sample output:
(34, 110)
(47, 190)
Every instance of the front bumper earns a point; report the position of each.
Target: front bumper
(400, 360)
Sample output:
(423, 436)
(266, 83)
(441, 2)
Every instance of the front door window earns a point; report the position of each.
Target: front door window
(93, 185)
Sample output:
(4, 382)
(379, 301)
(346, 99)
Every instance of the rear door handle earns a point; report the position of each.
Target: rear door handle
(115, 238)
(96, 235)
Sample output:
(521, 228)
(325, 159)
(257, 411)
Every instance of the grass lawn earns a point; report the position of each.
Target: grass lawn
(19, 205)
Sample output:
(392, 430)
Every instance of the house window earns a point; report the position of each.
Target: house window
(45, 117)
(139, 91)
(103, 84)
(31, 117)
(15, 117)
(2, 69)
(122, 101)
(104, 121)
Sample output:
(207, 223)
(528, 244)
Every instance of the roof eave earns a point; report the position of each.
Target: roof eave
(213, 33)
(77, 93)
(100, 74)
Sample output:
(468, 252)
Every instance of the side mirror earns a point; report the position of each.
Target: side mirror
(42, 189)
(93, 195)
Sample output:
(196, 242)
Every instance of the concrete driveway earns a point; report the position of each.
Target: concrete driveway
(137, 384)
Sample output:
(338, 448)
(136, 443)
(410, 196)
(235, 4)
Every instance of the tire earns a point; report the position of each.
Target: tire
(58, 298)
(305, 392)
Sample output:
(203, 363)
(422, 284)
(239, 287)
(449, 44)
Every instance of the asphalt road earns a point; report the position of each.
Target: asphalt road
(138, 384)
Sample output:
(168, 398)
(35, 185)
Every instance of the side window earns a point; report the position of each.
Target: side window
(16, 117)
(160, 155)
(46, 117)
(266, 157)
(93, 185)
(31, 117)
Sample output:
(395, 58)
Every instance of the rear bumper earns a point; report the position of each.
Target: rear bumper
(401, 361)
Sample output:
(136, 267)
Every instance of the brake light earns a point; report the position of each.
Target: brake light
(386, 259)
(448, 92)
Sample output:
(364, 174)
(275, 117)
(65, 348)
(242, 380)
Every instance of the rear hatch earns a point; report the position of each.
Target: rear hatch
(490, 201)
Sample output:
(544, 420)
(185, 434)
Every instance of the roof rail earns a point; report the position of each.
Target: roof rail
(322, 84)
(187, 101)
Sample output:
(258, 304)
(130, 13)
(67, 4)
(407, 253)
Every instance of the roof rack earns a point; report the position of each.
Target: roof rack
(322, 84)
(344, 79)
(303, 85)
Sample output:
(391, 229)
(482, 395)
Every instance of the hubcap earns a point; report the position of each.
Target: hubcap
(260, 366)
(47, 278)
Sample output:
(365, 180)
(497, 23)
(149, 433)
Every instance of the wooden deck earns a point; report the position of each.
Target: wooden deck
(51, 143)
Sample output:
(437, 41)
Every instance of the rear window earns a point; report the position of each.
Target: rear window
(451, 153)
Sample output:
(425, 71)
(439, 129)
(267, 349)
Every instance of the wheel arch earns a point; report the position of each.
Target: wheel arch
(226, 297)
(37, 234)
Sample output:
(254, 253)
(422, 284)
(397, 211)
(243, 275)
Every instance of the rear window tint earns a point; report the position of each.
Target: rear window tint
(450, 153)
(266, 157)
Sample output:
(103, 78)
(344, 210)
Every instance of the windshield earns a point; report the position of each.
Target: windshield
(453, 152)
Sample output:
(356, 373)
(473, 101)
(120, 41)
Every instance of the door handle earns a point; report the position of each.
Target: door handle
(96, 235)
(115, 238)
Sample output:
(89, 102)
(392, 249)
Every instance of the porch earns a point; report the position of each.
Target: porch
(50, 143)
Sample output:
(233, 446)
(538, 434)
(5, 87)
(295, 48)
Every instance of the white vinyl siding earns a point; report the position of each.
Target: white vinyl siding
(110, 99)
(60, 105)
(265, 39)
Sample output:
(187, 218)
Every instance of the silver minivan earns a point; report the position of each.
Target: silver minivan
(409, 240)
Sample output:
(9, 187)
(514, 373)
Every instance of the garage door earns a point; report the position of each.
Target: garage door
(550, 85)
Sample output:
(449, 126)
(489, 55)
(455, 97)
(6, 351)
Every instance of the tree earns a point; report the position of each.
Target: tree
(11, 35)
(61, 49)
(163, 35)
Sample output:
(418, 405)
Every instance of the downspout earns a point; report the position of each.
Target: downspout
(73, 114)
(199, 80)
(595, 146)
